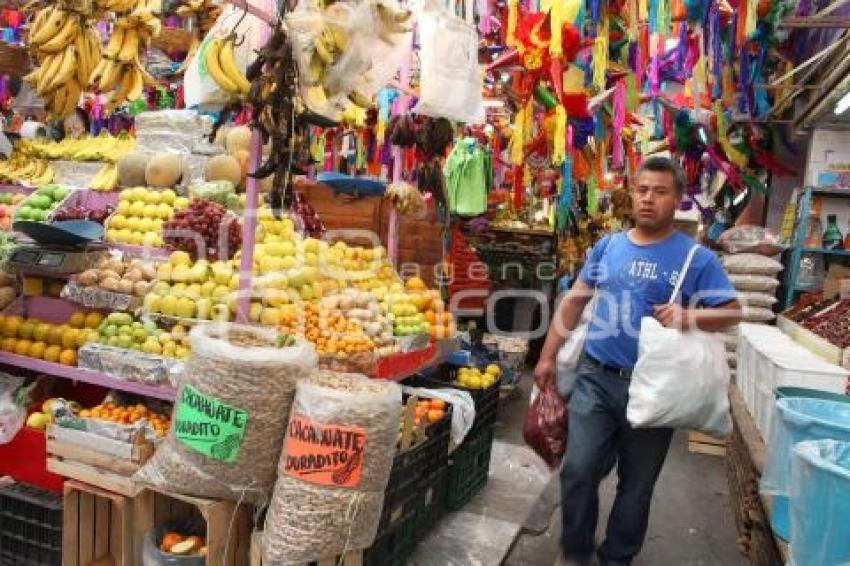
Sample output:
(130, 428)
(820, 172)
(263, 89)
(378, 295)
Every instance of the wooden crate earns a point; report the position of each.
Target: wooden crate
(228, 525)
(97, 525)
(699, 443)
(95, 459)
(353, 558)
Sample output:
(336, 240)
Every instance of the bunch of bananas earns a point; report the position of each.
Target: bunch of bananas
(22, 169)
(203, 14)
(102, 147)
(120, 72)
(66, 51)
(106, 179)
(220, 59)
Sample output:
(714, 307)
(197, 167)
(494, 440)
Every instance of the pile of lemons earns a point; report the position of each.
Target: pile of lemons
(475, 378)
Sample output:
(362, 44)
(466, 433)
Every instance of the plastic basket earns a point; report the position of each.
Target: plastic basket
(30, 526)
(411, 468)
(393, 547)
(469, 466)
(431, 502)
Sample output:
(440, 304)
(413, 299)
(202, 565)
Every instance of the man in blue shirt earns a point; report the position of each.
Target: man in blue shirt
(633, 274)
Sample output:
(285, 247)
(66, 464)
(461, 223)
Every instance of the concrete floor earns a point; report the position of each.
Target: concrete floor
(691, 522)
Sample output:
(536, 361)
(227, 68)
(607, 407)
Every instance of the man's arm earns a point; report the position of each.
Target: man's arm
(564, 320)
(709, 319)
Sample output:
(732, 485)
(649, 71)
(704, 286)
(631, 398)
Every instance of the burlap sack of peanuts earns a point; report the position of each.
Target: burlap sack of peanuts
(230, 416)
(334, 468)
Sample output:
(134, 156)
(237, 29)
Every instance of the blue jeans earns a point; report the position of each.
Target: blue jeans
(599, 436)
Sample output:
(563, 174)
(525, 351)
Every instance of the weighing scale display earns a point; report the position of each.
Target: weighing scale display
(27, 257)
(51, 259)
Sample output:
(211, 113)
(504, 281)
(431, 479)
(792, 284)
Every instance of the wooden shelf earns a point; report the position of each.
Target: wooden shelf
(88, 376)
(14, 60)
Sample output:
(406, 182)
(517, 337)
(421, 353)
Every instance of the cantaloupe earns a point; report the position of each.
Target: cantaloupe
(242, 157)
(131, 169)
(163, 170)
(238, 138)
(223, 168)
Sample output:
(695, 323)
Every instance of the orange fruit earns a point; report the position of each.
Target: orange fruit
(54, 335)
(435, 415)
(438, 404)
(69, 338)
(36, 350)
(77, 320)
(68, 357)
(93, 320)
(51, 353)
(22, 347)
(8, 344)
(11, 325)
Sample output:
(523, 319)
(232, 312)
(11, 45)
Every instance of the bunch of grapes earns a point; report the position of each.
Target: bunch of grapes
(205, 230)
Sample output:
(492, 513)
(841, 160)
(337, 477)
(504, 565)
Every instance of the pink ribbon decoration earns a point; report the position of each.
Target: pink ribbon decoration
(619, 108)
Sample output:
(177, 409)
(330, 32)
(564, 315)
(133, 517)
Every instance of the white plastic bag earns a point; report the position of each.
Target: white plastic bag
(681, 378)
(12, 415)
(200, 89)
(463, 408)
(451, 81)
(569, 355)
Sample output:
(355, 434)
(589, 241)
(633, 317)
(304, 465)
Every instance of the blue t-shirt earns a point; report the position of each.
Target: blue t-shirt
(631, 279)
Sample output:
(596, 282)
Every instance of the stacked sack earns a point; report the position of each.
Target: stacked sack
(754, 274)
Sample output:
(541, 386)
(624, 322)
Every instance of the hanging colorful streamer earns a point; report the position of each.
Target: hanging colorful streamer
(619, 120)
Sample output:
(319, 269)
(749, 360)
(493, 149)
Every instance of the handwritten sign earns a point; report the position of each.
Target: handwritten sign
(209, 426)
(323, 454)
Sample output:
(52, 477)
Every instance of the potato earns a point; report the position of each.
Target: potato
(110, 284)
(125, 287)
(88, 277)
(108, 274)
(134, 275)
(141, 288)
(115, 265)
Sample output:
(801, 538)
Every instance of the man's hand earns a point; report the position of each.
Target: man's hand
(673, 316)
(544, 373)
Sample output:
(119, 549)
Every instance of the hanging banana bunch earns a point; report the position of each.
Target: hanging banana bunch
(202, 14)
(66, 49)
(120, 72)
(220, 59)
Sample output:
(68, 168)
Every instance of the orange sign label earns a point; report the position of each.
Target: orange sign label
(324, 454)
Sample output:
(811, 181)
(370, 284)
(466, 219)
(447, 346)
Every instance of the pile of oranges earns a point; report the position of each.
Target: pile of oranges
(57, 343)
(128, 415)
(429, 411)
(330, 331)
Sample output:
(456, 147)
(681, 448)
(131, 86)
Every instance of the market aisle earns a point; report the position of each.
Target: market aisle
(691, 522)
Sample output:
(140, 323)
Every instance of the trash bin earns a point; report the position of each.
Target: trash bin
(797, 419)
(820, 505)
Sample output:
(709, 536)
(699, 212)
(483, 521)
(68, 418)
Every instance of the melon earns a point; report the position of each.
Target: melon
(238, 138)
(163, 170)
(223, 168)
(131, 169)
(242, 157)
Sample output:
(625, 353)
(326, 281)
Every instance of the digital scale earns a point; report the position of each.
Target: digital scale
(56, 260)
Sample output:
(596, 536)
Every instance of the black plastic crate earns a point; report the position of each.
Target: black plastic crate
(393, 547)
(469, 466)
(30, 526)
(411, 467)
(486, 400)
(431, 504)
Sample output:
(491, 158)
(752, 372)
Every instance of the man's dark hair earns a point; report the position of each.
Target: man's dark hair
(666, 165)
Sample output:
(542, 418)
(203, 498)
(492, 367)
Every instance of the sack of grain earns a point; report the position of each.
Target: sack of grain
(230, 416)
(761, 283)
(756, 314)
(334, 468)
(757, 299)
(753, 264)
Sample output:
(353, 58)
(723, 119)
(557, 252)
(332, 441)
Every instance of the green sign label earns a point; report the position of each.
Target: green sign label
(208, 426)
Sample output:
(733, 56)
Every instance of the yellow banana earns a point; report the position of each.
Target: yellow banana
(119, 96)
(129, 47)
(116, 41)
(211, 58)
(33, 76)
(111, 76)
(49, 69)
(72, 97)
(323, 52)
(66, 70)
(39, 19)
(63, 38)
(147, 78)
(84, 65)
(51, 25)
(227, 61)
(137, 84)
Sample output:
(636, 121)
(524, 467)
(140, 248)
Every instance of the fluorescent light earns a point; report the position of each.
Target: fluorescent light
(842, 104)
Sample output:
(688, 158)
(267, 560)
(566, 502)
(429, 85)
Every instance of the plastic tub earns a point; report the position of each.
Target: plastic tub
(783, 392)
(820, 506)
(798, 419)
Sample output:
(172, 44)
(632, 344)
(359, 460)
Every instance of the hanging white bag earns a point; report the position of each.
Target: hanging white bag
(566, 362)
(451, 80)
(681, 378)
(200, 89)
